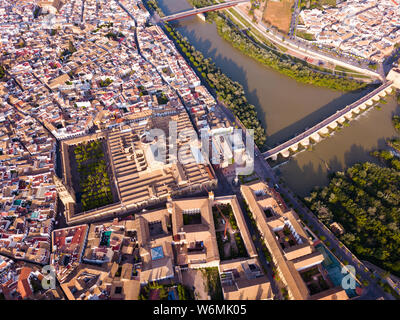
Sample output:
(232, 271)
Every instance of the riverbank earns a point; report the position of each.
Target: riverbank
(287, 107)
(230, 92)
(346, 147)
(294, 68)
(364, 201)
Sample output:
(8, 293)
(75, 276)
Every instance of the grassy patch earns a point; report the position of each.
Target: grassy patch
(305, 35)
(94, 181)
(213, 283)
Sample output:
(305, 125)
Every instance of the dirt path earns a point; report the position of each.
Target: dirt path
(194, 279)
(279, 14)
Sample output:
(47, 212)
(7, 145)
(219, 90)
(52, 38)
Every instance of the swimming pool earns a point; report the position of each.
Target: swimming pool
(105, 238)
(34, 215)
(172, 295)
(332, 265)
(157, 253)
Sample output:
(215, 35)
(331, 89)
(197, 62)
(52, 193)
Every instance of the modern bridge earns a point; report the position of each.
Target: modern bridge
(346, 114)
(196, 11)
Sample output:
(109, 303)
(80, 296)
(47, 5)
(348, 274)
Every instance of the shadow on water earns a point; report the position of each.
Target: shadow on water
(243, 71)
(396, 112)
(289, 107)
(316, 116)
(227, 66)
(318, 173)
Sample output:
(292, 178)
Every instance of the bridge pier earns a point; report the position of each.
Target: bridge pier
(285, 153)
(324, 131)
(363, 106)
(196, 11)
(332, 125)
(305, 142)
(317, 132)
(316, 137)
(294, 147)
(357, 110)
(202, 16)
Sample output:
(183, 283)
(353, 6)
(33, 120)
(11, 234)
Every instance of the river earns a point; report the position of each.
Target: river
(287, 107)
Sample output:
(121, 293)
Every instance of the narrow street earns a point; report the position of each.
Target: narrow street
(293, 22)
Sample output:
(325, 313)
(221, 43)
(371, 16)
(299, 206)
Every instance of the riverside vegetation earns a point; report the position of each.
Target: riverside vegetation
(365, 200)
(229, 91)
(292, 67)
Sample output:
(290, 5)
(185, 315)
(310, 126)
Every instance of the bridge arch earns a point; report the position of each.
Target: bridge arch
(323, 128)
(196, 11)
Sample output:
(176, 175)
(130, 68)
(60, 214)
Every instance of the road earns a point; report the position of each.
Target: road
(195, 11)
(293, 22)
(302, 47)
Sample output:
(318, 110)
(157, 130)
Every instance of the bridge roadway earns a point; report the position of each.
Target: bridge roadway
(195, 11)
(325, 123)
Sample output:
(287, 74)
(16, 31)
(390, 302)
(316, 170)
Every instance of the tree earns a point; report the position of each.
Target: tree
(367, 205)
(71, 47)
(36, 11)
(2, 72)
(182, 292)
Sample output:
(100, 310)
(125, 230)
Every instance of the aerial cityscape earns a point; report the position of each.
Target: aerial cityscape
(199, 150)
